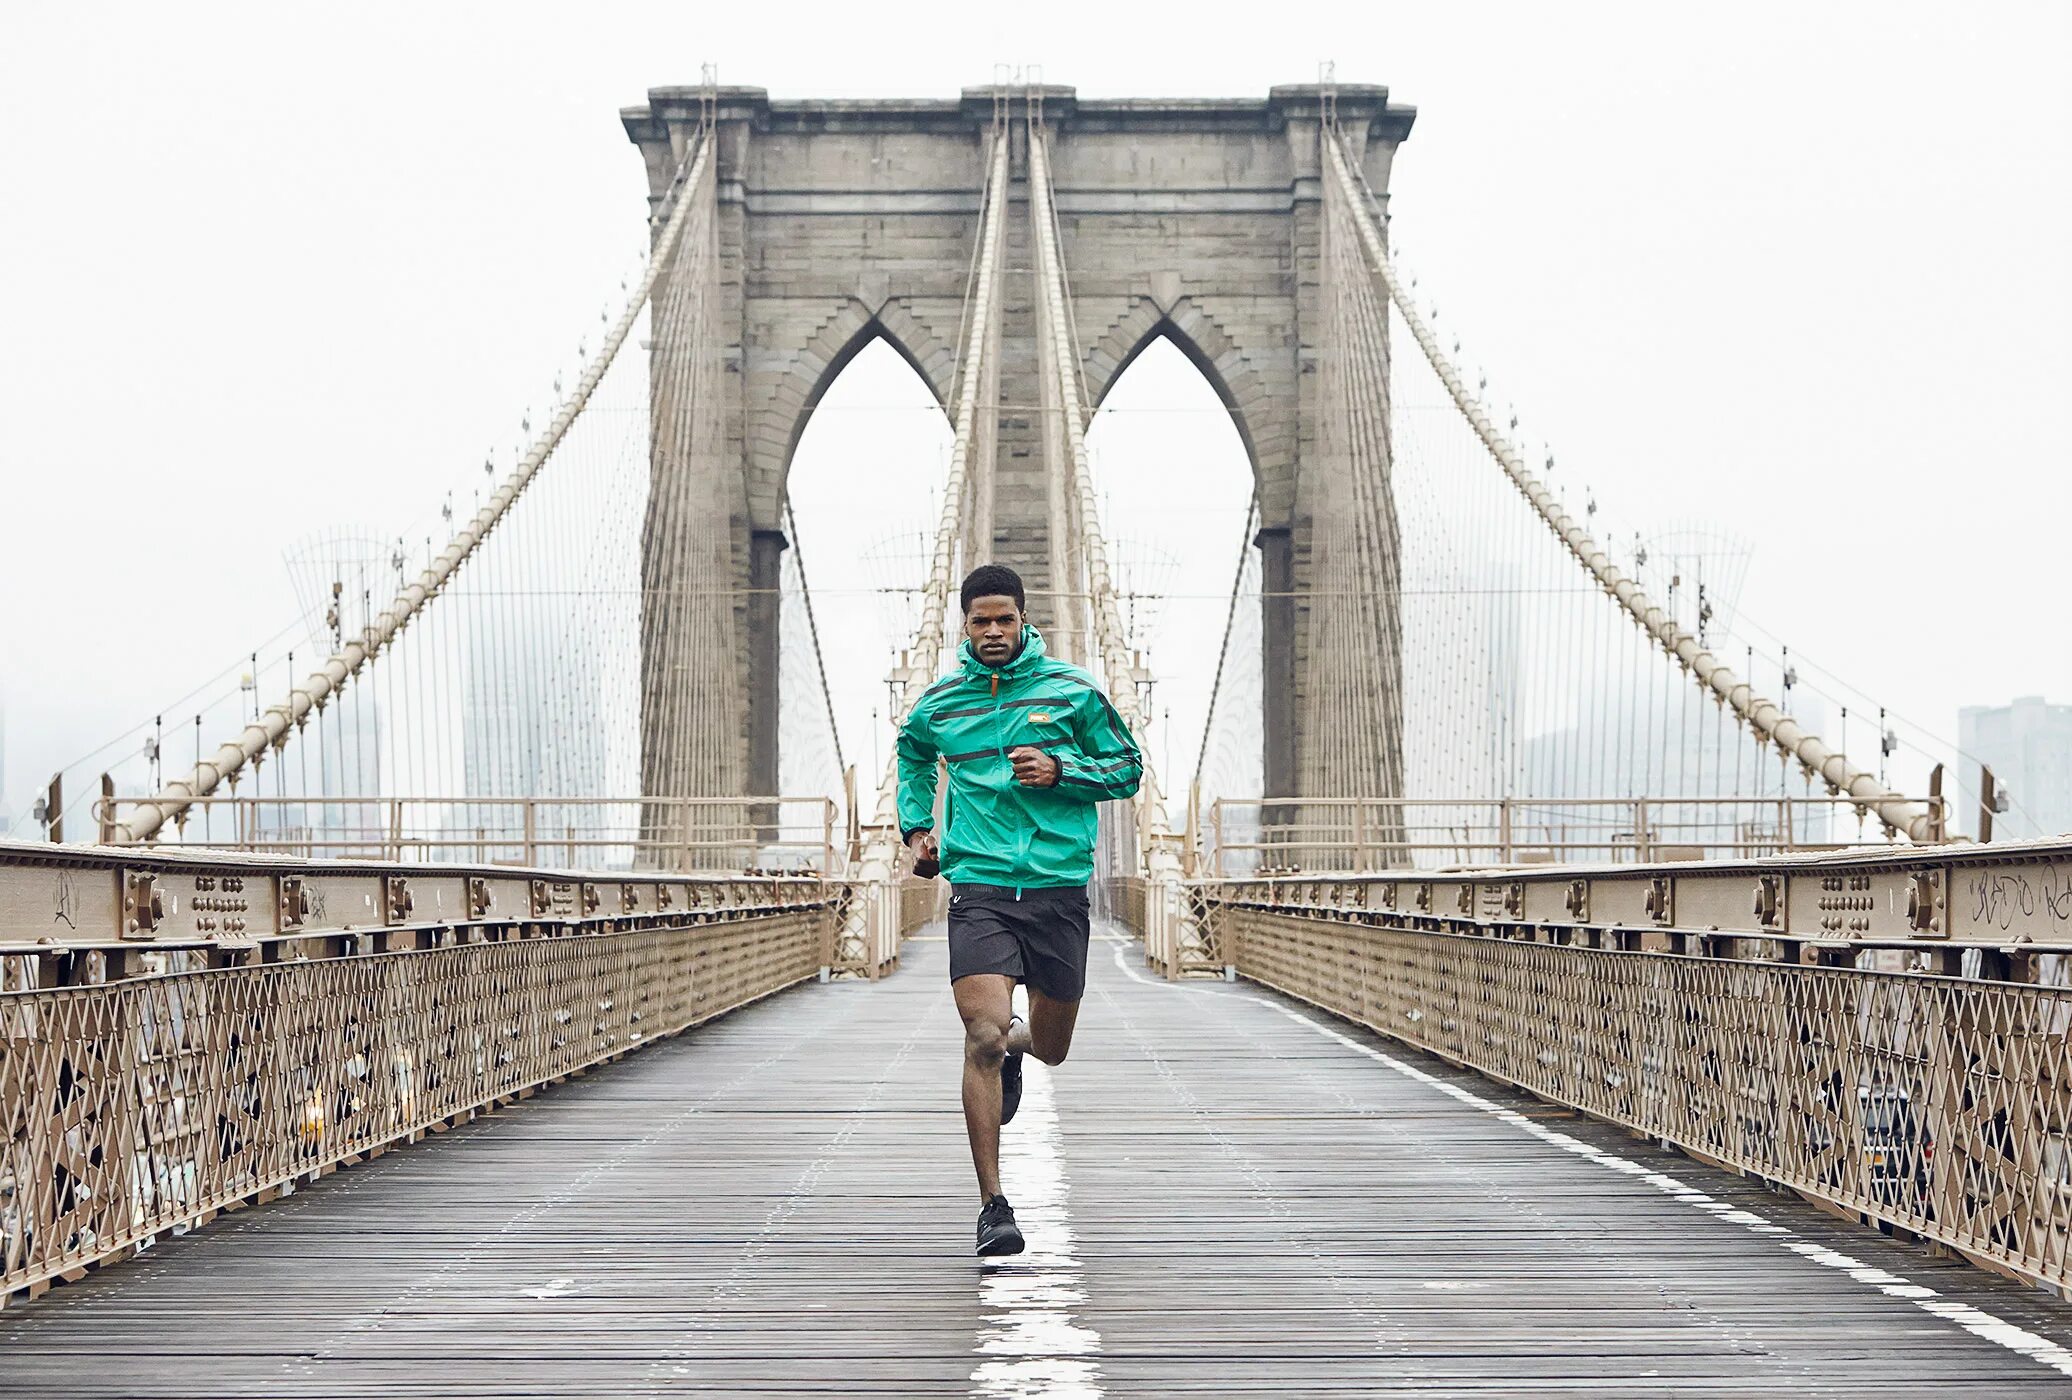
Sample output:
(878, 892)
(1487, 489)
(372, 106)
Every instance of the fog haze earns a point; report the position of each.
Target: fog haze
(1794, 272)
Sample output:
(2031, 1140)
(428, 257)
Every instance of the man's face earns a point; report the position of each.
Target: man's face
(994, 627)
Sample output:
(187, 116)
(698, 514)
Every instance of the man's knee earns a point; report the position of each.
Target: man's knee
(985, 1043)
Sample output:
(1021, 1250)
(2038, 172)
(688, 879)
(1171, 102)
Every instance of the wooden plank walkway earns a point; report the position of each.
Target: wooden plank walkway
(1225, 1195)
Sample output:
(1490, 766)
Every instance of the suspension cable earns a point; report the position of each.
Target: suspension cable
(1914, 819)
(232, 757)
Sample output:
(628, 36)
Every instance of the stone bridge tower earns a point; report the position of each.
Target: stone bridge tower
(1199, 220)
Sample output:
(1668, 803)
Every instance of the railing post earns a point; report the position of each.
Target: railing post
(1503, 830)
(1191, 850)
(1216, 828)
(891, 927)
(852, 822)
(1158, 933)
(531, 834)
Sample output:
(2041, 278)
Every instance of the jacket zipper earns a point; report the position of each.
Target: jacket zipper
(1000, 741)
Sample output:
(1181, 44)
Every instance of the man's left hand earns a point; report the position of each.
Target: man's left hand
(1033, 767)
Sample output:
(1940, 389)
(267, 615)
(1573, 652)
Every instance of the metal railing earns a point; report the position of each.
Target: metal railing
(921, 902)
(1244, 836)
(788, 834)
(1888, 1032)
(158, 1066)
(1160, 912)
(876, 920)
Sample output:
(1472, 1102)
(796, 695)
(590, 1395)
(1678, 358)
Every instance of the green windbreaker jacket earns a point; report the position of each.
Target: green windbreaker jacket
(995, 831)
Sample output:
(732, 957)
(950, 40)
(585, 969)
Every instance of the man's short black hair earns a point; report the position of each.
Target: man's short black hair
(993, 581)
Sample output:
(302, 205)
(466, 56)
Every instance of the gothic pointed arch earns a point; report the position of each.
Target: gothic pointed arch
(1243, 381)
(786, 386)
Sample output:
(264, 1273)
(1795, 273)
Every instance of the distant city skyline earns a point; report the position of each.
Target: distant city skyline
(2028, 745)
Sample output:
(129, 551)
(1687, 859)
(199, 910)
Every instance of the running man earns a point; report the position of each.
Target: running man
(1031, 744)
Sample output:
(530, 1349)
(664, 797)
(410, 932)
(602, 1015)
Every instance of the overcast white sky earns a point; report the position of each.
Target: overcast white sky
(1795, 269)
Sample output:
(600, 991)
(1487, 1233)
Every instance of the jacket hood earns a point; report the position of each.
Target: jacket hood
(1024, 660)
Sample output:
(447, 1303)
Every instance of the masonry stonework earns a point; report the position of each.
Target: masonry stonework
(1196, 220)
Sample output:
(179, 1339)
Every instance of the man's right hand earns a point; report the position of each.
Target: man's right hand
(926, 854)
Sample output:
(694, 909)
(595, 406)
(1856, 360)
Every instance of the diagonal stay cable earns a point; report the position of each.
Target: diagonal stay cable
(813, 629)
(1237, 585)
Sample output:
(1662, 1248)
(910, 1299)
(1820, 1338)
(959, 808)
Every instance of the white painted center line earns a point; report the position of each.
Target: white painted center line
(1033, 1347)
(1973, 1320)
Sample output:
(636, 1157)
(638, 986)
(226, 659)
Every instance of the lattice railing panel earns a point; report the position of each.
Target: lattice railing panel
(1938, 1104)
(130, 1108)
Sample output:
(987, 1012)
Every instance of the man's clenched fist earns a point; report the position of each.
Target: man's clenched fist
(1033, 767)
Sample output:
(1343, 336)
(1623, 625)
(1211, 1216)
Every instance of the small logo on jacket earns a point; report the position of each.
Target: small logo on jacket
(1039, 717)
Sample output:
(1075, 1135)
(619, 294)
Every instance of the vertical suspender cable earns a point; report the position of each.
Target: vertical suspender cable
(1107, 625)
(918, 673)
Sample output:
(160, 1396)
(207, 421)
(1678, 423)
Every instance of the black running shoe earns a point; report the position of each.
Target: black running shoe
(1010, 1081)
(997, 1232)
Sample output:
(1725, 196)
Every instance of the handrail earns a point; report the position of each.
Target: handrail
(751, 832)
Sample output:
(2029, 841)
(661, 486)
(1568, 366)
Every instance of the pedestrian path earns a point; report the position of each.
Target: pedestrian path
(1225, 1193)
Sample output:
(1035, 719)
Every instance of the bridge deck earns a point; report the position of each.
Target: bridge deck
(1225, 1195)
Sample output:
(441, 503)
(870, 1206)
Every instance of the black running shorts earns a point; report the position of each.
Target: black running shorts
(1037, 936)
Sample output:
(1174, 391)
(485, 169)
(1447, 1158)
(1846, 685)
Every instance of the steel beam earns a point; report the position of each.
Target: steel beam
(234, 904)
(2013, 900)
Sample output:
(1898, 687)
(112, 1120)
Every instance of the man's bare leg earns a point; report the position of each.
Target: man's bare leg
(1047, 1034)
(986, 1002)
